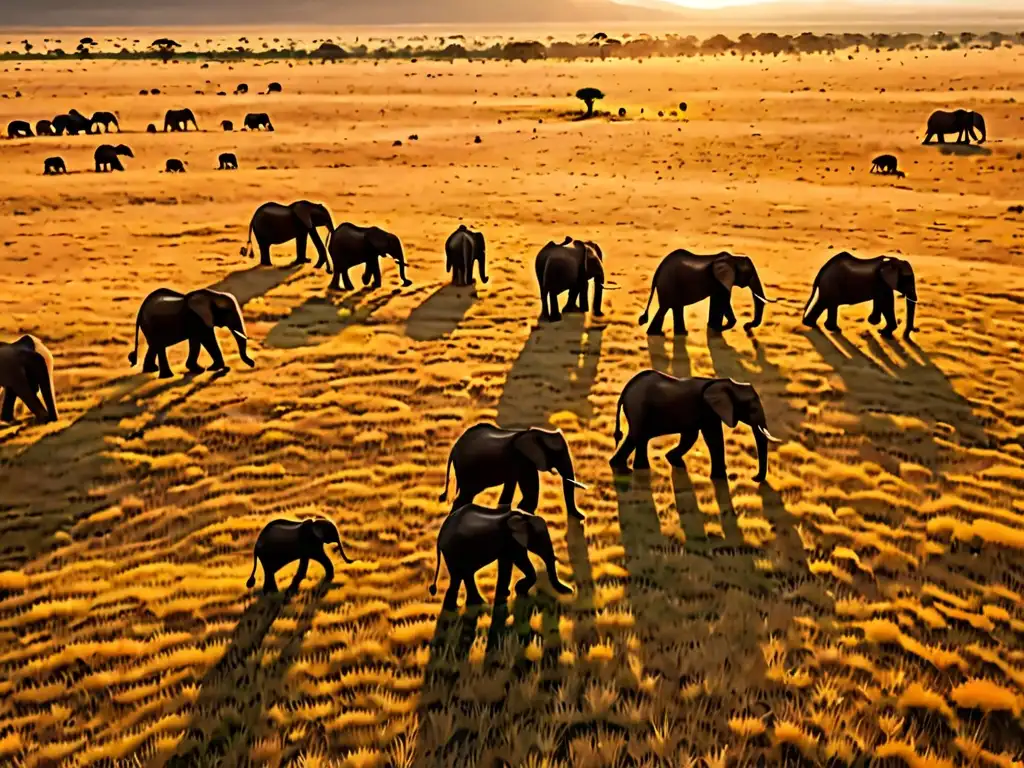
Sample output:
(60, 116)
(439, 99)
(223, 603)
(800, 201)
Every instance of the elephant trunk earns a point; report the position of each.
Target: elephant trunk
(399, 257)
(569, 486)
(341, 551)
(761, 441)
(242, 340)
(757, 293)
(979, 123)
(483, 266)
(598, 295)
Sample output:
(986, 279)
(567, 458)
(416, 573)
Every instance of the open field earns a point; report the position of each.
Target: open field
(867, 601)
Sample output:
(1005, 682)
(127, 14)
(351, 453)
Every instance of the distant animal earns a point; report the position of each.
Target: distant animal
(257, 120)
(846, 279)
(350, 245)
(144, 92)
(463, 249)
(962, 122)
(486, 456)
(107, 157)
(656, 404)
(227, 125)
(884, 164)
(167, 317)
(54, 165)
(228, 161)
(45, 128)
(174, 165)
(683, 278)
(242, 88)
(472, 537)
(900, 175)
(154, 91)
(570, 266)
(285, 541)
(73, 123)
(178, 120)
(19, 129)
(622, 111)
(26, 371)
(274, 88)
(151, 128)
(275, 223)
(106, 119)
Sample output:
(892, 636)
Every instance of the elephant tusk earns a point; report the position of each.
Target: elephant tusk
(610, 286)
(574, 482)
(239, 334)
(766, 301)
(766, 433)
(912, 301)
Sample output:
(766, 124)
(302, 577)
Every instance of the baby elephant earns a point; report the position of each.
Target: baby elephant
(227, 125)
(228, 162)
(54, 165)
(285, 541)
(885, 164)
(175, 166)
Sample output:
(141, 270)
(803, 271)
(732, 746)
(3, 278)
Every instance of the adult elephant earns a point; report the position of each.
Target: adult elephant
(845, 279)
(463, 249)
(276, 223)
(106, 119)
(473, 537)
(167, 317)
(26, 371)
(962, 122)
(285, 541)
(683, 278)
(350, 245)
(73, 123)
(656, 404)
(178, 120)
(570, 266)
(486, 456)
(45, 128)
(257, 120)
(19, 129)
(108, 157)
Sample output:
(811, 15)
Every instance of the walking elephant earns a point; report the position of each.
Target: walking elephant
(73, 123)
(26, 371)
(45, 128)
(276, 223)
(256, 120)
(174, 165)
(463, 249)
(19, 129)
(350, 245)
(178, 120)
(656, 404)
(570, 266)
(106, 119)
(108, 157)
(884, 164)
(285, 541)
(228, 162)
(167, 317)
(486, 456)
(53, 166)
(473, 537)
(683, 278)
(962, 122)
(227, 125)
(845, 279)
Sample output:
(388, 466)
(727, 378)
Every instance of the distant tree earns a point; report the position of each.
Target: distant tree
(717, 44)
(588, 96)
(165, 47)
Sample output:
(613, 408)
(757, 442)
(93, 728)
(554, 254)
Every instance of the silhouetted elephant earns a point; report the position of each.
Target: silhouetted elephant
(26, 370)
(657, 404)
(473, 537)
(256, 120)
(108, 158)
(227, 125)
(462, 250)
(178, 120)
(350, 245)
(683, 278)
(845, 279)
(486, 456)
(884, 164)
(45, 128)
(167, 317)
(174, 165)
(54, 165)
(106, 119)
(19, 129)
(73, 123)
(274, 88)
(285, 541)
(228, 162)
(274, 223)
(570, 266)
(151, 128)
(961, 122)
(242, 88)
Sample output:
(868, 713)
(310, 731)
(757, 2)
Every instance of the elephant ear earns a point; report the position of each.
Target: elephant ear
(519, 529)
(528, 444)
(719, 398)
(724, 273)
(202, 305)
(890, 273)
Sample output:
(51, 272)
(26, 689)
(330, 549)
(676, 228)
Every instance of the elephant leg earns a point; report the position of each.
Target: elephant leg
(555, 314)
(269, 582)
(342, 272)
(192, 363)
(886, 303)
(504, 579)
(451, 597)
(679, 320)
(327, 565)
(529, 486)
(711, 429)
(522, 562)
(545, 315)
(929, 137)
(31, 399)
(815, 311)
(730, 316)
(165, 367)
(583, 298)
(149, 363)
(7, 409)
(620, 461)
(264, 253)
(686, 441)
(642, 461)
(508, 492)
(658, 321)
(466, 496)
(301, 241)
(299, 575)
(377, 280)
(832, 320)
(473, 596)
(209, 342)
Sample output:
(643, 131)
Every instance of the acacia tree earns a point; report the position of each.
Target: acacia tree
(588, 96)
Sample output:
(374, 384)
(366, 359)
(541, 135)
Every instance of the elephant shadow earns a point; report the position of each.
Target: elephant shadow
(319, 318)
(679, 363)
(440, 314)
(248, 284)
(964, 150)
(554, 372)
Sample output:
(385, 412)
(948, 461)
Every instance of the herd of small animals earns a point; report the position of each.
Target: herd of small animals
(485, 456)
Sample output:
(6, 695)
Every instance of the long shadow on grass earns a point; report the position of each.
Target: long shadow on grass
(440, 314)
(248, 284)
(678, 365)
(320, 317)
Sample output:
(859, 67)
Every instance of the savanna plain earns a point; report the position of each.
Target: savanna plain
(866, 602)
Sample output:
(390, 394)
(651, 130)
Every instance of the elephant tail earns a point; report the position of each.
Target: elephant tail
(618, 416)
(650, 298)
(447, 476)
(133, 356)
(437, 568)
(252, 576)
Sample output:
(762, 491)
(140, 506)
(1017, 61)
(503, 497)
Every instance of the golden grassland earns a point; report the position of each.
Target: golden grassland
(868, 601)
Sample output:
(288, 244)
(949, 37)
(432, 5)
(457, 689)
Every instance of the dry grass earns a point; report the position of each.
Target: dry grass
(867, 601)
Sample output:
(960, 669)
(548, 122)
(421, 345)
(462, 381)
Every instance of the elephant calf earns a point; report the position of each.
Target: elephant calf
(351, 245)
(228, 161)
(54, 165)
(175, 166)
(26, 371)
(285, 541)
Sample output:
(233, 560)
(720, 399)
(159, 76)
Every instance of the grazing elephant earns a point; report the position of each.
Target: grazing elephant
(167, 317)
(256, 120)
(274, 223)
(228, 162)
(684, 278)
(26, 369)
(227, 125)
(178, 120)
(106, 119)
(54, 165)
(350, 245)
(885, 164)
(462, 250)
(274, 88)
(962, 122)
(107, 157)
(45, 128)
(486, 456)
(845, 279)
(19, 129)
(285, 541)
(242, 88)
(657, 404)
(73, 123)
(174, 165)
(151, 128)
(473, 537)
(570, 266)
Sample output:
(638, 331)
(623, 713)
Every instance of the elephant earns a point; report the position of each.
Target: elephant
(846, 279)
(106, 119)
(256, 120)
(19, 129)
(275, 223)
(350, 245)
(227, 125)
(472, 537)
(167, 317)
(151, 128)
(178, 120)
(274, 88)
(962, 122)
(242, 88)
(657, 404)
(486, 456)
(463, 249)
(684, 278)
(73, 123)
(174, 165)
(54, 165)
(570, 266)
(45, 128)
(285, 541)
(107, 157)
(885, 164)
(228, 162)
(26, 370)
